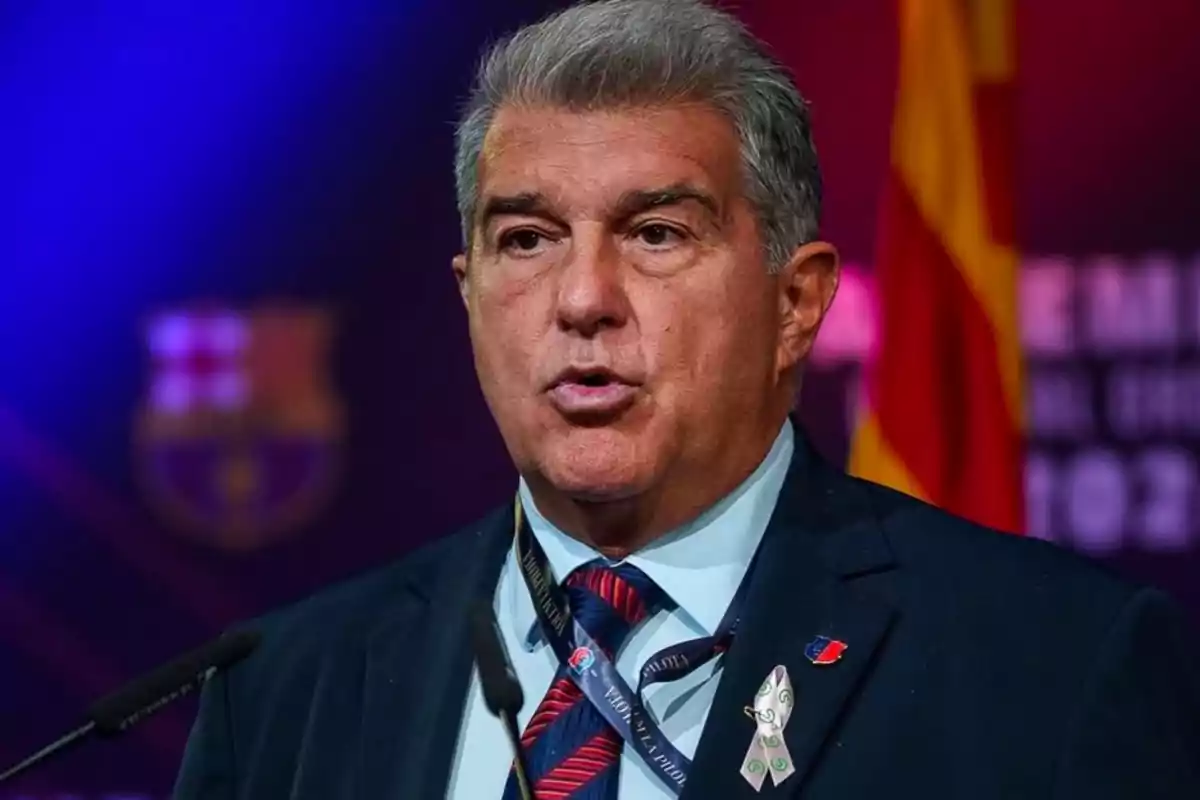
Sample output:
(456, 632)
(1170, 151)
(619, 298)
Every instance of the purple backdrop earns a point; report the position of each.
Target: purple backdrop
(208, 164)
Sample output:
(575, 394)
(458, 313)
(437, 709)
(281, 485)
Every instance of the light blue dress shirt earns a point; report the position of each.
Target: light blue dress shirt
(700, 566)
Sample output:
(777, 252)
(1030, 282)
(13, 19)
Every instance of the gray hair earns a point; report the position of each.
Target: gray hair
(639, 53)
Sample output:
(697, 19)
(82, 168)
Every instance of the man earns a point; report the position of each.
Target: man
(694, 603)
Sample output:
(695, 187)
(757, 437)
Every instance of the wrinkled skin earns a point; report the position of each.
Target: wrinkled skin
(621, 242)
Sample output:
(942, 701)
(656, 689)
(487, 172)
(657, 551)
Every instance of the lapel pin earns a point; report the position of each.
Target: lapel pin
(823, 651)
(768, 753)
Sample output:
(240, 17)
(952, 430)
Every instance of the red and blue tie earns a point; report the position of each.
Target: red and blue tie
(571, 750)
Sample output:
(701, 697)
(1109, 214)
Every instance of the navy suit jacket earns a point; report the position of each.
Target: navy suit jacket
(979, 665)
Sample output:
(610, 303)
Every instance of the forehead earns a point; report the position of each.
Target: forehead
(595, 156)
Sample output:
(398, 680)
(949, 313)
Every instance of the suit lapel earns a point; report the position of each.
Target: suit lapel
(820, 538)
(418, 669)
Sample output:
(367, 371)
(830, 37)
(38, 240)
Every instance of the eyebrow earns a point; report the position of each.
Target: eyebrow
(640, 200)
(524, 204)
(631, 203)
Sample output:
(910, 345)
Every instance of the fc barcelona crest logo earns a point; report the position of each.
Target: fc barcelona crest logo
(239, 434)
(823, 651)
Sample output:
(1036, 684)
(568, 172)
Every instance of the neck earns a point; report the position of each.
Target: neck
(625, 525)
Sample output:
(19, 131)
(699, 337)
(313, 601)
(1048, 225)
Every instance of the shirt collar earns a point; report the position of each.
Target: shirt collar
(700, 564)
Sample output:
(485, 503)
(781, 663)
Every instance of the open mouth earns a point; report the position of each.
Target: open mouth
(590, 378)
(591, 393)
(594, 379)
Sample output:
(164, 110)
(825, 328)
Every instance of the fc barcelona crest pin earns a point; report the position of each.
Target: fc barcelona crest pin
(823, 651)
(239, 434)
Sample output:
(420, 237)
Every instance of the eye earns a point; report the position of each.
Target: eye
(657, 234)
(522, 240)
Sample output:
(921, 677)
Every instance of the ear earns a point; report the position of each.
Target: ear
(462, 276)
(807, 284)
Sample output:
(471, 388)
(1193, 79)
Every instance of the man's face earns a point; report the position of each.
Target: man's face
(625, 327)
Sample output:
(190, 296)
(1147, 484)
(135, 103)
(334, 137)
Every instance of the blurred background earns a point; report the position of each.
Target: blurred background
(234, 368)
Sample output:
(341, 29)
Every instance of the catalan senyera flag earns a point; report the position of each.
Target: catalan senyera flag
(941, 414)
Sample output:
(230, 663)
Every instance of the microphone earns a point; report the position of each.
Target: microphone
(501, 690)
(118, 712)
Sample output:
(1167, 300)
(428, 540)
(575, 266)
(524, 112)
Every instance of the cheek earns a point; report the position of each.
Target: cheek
(688, 342)
(710, 343)
(505, 336)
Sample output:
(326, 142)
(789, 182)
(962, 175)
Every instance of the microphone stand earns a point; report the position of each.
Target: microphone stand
(501, 690)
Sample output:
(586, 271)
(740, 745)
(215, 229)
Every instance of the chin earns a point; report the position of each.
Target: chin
(595, 464)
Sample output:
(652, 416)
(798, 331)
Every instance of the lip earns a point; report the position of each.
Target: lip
(572, 399)
(573, 396)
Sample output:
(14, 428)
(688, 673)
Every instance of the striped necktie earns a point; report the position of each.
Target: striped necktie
(571, 750)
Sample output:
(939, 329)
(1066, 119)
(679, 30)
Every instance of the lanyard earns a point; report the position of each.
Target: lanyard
(596, 676)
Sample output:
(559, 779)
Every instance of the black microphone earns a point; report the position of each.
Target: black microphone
(129, 705)
(501, 690)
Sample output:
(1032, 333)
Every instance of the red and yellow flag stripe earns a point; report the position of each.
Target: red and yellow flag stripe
(942, 418)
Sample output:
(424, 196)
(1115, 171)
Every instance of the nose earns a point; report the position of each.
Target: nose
(591, 297)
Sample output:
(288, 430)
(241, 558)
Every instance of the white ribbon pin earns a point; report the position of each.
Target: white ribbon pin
(768, 752)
